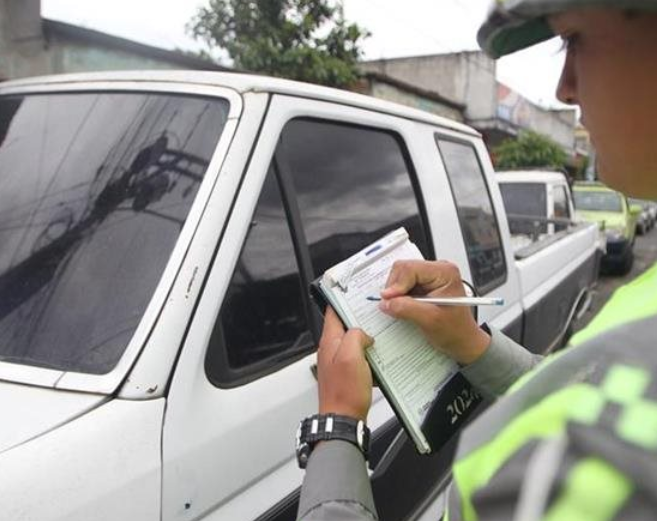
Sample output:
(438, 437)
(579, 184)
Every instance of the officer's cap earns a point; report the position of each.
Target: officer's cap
(515, 24)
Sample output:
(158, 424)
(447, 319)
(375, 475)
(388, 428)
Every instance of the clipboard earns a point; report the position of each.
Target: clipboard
(454, 402)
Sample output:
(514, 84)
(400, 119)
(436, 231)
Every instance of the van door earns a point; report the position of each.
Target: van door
(324, 181)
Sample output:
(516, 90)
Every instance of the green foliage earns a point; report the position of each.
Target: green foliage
(201, 54)
(530, 150)
(306, 40)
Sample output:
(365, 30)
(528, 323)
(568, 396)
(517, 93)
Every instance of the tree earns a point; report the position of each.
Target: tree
(306, 40)
(530, 150)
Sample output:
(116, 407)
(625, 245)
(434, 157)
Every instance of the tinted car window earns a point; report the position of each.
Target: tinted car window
(353, 184)
(94, 190)
(262, 316)
(561, 210)
(345, 186)
(475, 210)
(523, 202)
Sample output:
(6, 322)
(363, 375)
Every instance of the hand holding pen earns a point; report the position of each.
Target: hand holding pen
(452, 301)
(450, 327)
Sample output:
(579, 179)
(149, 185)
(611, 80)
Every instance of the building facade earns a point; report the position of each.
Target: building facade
(391, 89)
(469, 79)
(32, 46)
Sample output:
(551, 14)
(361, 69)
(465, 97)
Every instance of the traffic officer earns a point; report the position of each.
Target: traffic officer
(576, 437)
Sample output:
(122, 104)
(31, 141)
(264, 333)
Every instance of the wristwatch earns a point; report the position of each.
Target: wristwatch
(324, 427)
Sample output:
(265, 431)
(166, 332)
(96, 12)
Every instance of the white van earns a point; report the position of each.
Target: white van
(159, 231)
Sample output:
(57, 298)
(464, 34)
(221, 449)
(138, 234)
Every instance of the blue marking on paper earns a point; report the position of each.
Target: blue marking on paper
(373, 249)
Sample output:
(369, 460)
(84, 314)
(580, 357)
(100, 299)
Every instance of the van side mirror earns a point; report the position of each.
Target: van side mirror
(635, 210)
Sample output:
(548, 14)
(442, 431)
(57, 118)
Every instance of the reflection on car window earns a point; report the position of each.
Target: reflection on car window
(353, 186)
(476, 215)
(94, 190)
(262, 315)
(348, 186)
(598, 201)
(561, 209)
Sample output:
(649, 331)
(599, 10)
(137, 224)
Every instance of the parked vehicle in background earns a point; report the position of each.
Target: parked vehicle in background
(652, 208)
(159, 233)
(595, 202)
(537, 202)
(646, 219)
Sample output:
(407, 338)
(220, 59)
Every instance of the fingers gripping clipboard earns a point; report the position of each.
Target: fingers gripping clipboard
(430, 397)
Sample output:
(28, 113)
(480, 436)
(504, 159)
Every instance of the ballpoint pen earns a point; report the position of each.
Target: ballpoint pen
(454, 301)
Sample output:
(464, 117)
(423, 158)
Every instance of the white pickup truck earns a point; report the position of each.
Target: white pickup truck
(158, 234)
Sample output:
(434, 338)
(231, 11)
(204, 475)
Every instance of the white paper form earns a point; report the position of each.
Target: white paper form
(404, 361)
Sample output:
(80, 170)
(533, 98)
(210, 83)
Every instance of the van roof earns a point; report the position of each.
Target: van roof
(244, 83)
(530, 176)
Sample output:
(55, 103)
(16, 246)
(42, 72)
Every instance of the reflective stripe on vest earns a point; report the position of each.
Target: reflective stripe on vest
(601, 394)
(634, 301)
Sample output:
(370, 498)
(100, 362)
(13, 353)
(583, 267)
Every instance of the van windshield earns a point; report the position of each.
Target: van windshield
(597, 201)
(94, 190)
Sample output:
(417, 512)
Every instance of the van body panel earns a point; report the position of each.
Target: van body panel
(104, 465)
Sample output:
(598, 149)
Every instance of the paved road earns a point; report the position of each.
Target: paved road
(645, 255)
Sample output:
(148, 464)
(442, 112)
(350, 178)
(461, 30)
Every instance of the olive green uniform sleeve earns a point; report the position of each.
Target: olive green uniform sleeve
(336, 486)
(503, 363)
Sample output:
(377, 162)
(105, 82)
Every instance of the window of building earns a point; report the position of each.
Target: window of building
(476, 215)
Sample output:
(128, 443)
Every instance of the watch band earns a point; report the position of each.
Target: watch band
(324, 427)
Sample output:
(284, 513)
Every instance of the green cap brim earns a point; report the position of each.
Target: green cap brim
(513, 25)
(499, 41)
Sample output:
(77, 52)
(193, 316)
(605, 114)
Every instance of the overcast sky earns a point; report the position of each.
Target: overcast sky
(408, 28)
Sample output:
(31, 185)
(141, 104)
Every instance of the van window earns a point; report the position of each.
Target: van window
(94, 191)
(262, 319)
(523, 202)
(476, 215)
(330, 191)
(561, 210)
(353, 186)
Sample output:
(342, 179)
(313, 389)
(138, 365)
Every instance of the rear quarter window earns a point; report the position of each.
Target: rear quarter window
(476, 214)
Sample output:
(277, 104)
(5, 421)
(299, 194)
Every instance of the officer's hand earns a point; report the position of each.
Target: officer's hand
(345, 379)
(452, 330)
